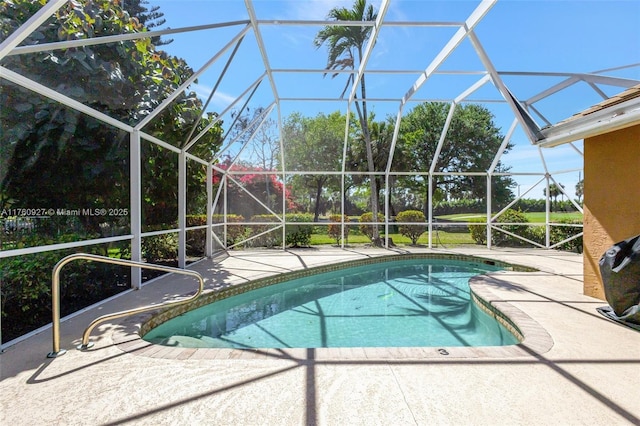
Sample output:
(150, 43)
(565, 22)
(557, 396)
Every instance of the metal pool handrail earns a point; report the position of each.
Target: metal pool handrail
(55, 296)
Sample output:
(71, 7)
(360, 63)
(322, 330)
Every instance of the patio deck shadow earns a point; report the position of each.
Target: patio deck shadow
(133, 382)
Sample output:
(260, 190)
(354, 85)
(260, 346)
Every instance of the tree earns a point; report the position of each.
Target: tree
(56, 157)
(252, 180)
(470, 145)
(554, 192)
(381, 135)
(149, 17)
(311, 145)
(580, 190)
(346, 48)
(264, 146)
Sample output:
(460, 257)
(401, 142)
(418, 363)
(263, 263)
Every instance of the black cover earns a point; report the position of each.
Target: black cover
(620, 271)
(608, 312)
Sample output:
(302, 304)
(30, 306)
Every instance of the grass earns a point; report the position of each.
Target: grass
(539, 217)
(533, 217)
(323, 239)
(442, 237)
(439, 238)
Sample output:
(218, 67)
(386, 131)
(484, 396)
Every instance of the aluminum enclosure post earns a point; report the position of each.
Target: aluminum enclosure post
(135, 182)
(430, 202)
(182, 209)
(209, 237)
(489, 213)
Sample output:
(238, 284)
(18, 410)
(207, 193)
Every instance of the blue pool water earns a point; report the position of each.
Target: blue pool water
(391, 304)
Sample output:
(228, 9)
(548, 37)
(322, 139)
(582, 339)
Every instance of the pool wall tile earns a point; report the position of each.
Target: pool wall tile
(211, 296)
(531, 335)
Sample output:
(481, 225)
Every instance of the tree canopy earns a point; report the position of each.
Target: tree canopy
(314, 144)
(470, 145)
(253, 183)
(56, 157)
(554, 193)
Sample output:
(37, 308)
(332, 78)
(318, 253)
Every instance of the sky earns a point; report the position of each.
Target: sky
(518, 36)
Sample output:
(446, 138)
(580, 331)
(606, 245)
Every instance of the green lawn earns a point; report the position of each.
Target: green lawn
(533, 217)
(439, 238)
(539, 217)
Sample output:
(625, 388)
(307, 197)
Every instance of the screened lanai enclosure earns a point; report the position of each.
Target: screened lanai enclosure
(168, 131)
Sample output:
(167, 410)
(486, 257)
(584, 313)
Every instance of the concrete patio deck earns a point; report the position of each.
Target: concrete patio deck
(587, 374)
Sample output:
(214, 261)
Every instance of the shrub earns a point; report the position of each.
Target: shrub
(196, 239)
(479, 232)
(270, 239)
(335, 230)
(368, 229)
(163, 247)
(510, 216)
(534, 233)
(298, 235)
(412, 231)
(158, 248)
(559, 233)
(26, 284)
(235, 233)
(537, 234)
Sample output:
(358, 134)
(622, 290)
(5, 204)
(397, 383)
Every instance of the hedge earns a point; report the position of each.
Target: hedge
(534, 233)
(26, 283)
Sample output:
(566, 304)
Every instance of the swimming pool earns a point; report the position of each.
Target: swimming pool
(402, 303)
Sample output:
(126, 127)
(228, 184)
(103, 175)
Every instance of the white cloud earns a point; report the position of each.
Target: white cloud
(314, 9)
(220, 100)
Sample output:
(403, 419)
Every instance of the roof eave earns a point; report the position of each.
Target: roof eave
(613, 118)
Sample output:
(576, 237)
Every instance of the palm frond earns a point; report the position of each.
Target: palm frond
(341, 40)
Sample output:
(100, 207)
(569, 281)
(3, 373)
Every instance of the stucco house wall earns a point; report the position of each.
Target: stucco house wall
(611, 197)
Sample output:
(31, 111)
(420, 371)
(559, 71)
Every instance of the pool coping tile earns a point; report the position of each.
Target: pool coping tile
(533, 337)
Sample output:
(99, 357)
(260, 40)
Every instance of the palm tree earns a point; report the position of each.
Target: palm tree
(381, 136)
(345, 45)
(580, 190)
(554, 192)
